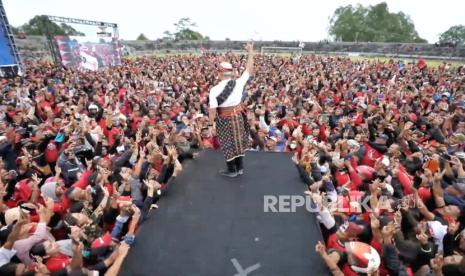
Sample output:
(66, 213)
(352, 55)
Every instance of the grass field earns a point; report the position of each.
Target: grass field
(429, 62)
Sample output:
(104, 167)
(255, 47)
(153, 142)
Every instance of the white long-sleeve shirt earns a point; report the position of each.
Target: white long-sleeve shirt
(263, 124)
(23, 246)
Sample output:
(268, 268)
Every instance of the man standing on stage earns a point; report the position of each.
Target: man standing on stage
(231, 121)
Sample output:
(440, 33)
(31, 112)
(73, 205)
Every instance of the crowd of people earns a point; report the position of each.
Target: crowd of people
(87, 155)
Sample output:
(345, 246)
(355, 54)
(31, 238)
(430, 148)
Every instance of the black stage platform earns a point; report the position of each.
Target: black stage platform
(212, 225)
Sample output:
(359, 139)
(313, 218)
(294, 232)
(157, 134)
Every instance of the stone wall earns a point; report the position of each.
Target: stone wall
(36, 47)
(33, 47)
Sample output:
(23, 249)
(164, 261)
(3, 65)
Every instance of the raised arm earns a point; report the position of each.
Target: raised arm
(212, 116)
(459, 165)
(422, 207)
(438, 192)
(250, 54)
(116, 266)
(330, 260)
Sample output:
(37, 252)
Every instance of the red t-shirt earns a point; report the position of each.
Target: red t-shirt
(57, 263)
(111, 134)
(211, 142)
(51, 152)
(135, 122)
(333, 243)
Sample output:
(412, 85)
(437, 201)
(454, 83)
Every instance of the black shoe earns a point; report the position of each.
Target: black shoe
(239, 164)
(228, 173)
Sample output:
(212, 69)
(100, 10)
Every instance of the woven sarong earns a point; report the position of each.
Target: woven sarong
(233, 135)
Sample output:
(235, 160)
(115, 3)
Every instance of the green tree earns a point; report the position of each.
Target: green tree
(70, 30)
(455, 34)
(41, 25)
(185, 31)
(142, 37)
(15, 30)
(372, 24)
(184, 23)
(168, 35)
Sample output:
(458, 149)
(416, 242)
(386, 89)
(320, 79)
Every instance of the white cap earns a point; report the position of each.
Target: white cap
(460, 154)
(120, 149)
(198, 115)
(12, 214)
(385, 161)
(353, 143)
(93, 106)
(390, 189)
(226, 66)
(122, 117)
(336, 159)
(274, 138)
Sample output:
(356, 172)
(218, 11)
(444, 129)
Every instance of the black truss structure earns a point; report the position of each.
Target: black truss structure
(81, 21)
(51, 41)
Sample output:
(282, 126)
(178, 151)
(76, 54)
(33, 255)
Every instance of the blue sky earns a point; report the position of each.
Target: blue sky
(237, 20)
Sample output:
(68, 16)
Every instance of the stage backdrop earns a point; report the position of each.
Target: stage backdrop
(6, 52)
(88, 53)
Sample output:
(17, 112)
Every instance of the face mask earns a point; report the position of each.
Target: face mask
(116, 123)
(293, 146)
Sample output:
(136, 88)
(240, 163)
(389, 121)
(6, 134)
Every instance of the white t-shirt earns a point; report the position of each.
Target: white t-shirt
(236, 95)
(6, 255)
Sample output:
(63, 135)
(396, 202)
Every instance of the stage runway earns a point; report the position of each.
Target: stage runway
(210, 225)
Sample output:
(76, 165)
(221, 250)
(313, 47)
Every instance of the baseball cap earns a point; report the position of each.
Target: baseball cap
(225, 66)
(460, 154)
(273, 138)
(385, 161)
(12, 215)
(362, 105)
(5, 232)
(93, 106)
(104, 240)
(351, 229)
(353, 143)
(198, 115)
(383, 136)
(460, 137)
